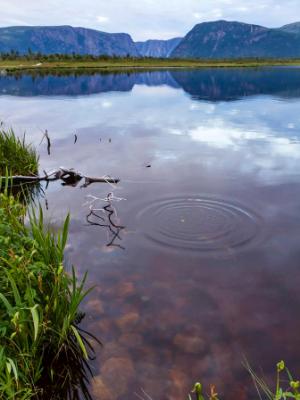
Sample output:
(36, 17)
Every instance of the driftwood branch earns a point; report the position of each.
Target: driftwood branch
(70, 177)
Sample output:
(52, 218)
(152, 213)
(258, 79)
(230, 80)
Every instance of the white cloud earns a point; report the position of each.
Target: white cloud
(102, 19)
(217, 13)
(106, 104)
(198, 15)
(242, 9)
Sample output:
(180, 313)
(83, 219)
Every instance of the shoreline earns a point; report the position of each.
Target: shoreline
(14, 66)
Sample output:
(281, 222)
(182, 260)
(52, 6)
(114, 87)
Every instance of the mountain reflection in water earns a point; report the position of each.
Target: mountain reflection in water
(218, 84)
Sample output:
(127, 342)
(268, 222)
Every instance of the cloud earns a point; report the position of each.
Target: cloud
(102, 19)
(146, 19)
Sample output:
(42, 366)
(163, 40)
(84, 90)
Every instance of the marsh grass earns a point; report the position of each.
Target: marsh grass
(16, 156)
(285, 388)
(43, 351)
(63, 61)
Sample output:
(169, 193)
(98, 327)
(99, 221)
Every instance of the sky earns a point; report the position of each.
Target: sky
(146, 19)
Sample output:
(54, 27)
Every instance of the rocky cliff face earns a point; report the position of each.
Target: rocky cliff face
(157, 48)
(65, 39)
(219, 39)
(222, 39)
(291, 28)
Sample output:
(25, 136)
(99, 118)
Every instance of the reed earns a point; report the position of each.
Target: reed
(43, 351)
(16, 156)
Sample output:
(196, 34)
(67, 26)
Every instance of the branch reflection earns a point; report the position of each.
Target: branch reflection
(106, 217)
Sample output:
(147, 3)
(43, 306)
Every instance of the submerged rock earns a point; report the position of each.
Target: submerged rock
(125, 289)
(100, 390)
(117, 373)
(113, 349)
(128, 321)
(131, 340)
(190, 344)
(180, 384)
(95, 306)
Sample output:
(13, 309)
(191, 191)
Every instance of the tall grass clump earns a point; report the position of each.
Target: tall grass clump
(43, 352)
(16, 156)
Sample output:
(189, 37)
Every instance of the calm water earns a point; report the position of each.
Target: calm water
(196, 256)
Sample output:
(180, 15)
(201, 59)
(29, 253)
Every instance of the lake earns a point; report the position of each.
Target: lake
(195, 254)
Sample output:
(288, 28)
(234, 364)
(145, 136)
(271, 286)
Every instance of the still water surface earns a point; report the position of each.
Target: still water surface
(195, 256)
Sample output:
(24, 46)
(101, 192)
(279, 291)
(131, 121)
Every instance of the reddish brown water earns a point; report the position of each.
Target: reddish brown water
(198, 266)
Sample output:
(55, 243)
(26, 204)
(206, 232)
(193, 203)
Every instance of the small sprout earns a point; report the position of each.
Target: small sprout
(197, 388)
(198, 391)
(280, 366)
(295, 385)
(213, 393)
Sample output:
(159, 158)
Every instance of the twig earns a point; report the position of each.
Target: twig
(48, 141)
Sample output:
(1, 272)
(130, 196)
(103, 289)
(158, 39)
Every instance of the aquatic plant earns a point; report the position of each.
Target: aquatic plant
(285, 387)
(16, 156)
(43, 352)
(198, 394)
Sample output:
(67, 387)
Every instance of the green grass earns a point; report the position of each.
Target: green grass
(43, 352)
(47, 63)
(16, 157)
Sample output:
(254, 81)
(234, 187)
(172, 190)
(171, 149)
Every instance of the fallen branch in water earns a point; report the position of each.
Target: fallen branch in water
(70, 177)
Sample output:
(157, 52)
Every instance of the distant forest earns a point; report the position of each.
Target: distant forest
(38, 56)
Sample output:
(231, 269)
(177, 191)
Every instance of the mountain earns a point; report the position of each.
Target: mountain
(65, 39)
(227, 84)
(80, 84)
(291, 28)
(219, 39)
(157, 48)
(209, 84)
(223, 39)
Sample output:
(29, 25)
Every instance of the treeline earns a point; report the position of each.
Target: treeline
(14, 55)
(33, 56)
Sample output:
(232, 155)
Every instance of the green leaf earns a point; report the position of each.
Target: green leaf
(35, 318)
(8, 306)
(65, 232)
(14, 368)
(80, 342)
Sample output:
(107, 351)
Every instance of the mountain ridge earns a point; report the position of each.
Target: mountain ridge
(65, 39)
(233, 39)
(157, 48)
(291, 28)
(210, 40)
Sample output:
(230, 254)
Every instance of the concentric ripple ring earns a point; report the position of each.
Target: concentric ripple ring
(199, 224)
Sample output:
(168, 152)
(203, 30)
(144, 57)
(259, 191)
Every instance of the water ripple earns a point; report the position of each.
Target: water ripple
(199, 224)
